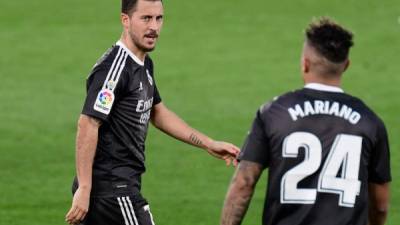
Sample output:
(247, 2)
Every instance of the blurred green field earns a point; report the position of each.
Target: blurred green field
(216, 63)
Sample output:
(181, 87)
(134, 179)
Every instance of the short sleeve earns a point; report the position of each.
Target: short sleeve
(379, 168)
(101, 94)
(255, 147)
(156, 96)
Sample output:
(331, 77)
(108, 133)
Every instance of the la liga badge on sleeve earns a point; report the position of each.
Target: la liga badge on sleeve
(104, 101)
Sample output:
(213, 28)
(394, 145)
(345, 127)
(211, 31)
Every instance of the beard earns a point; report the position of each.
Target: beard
(139, 45)
(142, 47)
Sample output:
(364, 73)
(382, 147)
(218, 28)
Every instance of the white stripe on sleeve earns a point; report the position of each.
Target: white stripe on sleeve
(112, 68)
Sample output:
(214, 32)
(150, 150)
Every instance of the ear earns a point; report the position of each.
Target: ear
(346, 65)
(305, 65)
(125, 21)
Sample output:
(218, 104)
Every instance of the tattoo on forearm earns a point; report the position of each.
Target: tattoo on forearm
(240, 193)
(195, 140)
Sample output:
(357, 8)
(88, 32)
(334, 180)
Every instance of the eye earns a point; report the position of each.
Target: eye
(159, 18)
(146, 18)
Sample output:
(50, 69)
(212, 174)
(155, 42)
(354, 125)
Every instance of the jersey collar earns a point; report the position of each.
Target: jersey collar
(323, 87)
(133, 56)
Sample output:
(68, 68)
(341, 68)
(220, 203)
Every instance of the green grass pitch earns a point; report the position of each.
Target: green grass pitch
(216, 63)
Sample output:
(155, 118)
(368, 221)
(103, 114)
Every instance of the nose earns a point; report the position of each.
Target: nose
(155, 25)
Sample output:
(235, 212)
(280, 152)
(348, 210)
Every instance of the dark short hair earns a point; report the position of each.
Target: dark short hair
(330, 39)
(128, 6)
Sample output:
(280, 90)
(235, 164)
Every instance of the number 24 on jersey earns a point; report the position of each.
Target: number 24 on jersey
(345, 152)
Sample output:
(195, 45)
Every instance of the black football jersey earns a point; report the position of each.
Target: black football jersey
(121, 92)
(321, 148)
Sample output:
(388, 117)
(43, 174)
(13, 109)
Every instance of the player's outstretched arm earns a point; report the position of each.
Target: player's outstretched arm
(378, 203)
(168, 122)
(86, 142)
(240, 192)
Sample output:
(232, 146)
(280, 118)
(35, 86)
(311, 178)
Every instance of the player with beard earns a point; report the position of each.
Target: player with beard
(326, 152)
(122, 97)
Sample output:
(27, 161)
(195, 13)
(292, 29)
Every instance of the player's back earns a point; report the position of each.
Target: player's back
(322, 149)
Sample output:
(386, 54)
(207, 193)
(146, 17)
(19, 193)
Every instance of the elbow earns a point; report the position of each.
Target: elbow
(378, 211)
(379, 200)
(381, 210)
(155, 122)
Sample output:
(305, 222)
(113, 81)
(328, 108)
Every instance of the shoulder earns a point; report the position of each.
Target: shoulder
(106, 60)
(360, 105)
(112, 69)
(279, 101)
(114, 63)
(369, 117)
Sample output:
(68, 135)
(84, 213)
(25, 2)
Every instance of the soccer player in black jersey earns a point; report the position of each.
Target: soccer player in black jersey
(122, 97)
(326, 152)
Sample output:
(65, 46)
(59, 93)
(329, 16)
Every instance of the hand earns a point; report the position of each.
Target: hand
(225, 151)
(79, 208)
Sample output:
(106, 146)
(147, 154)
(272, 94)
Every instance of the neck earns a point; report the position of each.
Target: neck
(316, 79)
(132, 47)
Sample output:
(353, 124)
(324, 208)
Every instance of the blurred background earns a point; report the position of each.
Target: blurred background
(216, 62)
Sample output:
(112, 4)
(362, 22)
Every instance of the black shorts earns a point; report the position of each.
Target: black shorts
(122, 210)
